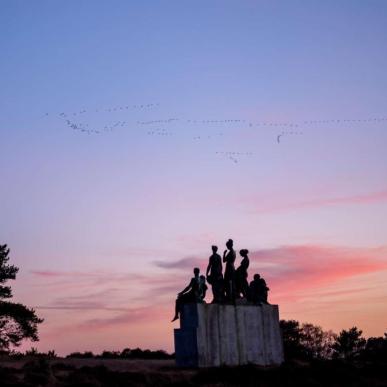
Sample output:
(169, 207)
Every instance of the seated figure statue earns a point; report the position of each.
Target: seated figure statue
(189, 294)
(258, 290)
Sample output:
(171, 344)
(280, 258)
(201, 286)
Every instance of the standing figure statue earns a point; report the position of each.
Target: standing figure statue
(215, 276)
(189, 294)
(229, 273)
(241, 284)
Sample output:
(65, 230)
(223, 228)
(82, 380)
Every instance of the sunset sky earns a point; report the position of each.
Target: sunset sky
(107, 225)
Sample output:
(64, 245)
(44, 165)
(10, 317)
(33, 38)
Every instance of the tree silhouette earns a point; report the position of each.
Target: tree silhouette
(349, 343)
(317, 343)
(306, 341)
(375, 349)
(17, 322)
(292, 336)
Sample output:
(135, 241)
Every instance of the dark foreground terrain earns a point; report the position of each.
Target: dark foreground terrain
(116, 372)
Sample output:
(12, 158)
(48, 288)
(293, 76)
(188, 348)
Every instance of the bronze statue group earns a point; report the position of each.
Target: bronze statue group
(227, 288)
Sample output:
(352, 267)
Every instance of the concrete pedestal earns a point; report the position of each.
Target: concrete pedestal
(211, 335)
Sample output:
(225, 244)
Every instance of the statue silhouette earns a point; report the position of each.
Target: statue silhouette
(215, 276)
(188, 294)
(202, 288)
(224, 289)
(264, 291)
(258, 290)
(241, 284)
(229, 274)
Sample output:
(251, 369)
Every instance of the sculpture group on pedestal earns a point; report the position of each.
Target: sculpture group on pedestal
(227, 288)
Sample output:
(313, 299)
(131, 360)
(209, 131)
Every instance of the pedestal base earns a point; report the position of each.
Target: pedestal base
(211, 335)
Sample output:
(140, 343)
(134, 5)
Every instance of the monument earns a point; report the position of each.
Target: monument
(239, 327)
(212, 335)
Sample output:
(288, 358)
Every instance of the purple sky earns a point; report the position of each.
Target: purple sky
(89, 217)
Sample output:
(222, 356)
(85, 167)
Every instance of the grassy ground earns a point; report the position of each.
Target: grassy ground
(104, 372)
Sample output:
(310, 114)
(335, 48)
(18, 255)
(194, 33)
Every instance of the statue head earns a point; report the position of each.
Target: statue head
(256, 277)
(214, 249)
(229, 244)
(196, 271)
(202, 279)
(244, 252)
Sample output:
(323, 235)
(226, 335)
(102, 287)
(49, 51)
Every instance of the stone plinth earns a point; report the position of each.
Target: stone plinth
(211, 335)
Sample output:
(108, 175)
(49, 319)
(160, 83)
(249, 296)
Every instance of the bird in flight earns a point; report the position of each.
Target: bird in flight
(286, 134)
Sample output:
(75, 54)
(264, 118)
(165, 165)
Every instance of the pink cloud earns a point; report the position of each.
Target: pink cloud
(92, 300)
(47, 273)
(295, 269)
(131, 316)
(369, 198)
(66, 280)
(105, 290)
(81, 306)
(187, 263)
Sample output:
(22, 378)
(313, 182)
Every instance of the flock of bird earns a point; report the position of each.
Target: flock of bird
(202, 137)
(109, 109)
(213, 121)
(81, 128)
(287, 134)
(264, 123)
(84, 128)
(159, 132)
(380, 119)
(68, 119)
(168, 121)
(233, 155)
